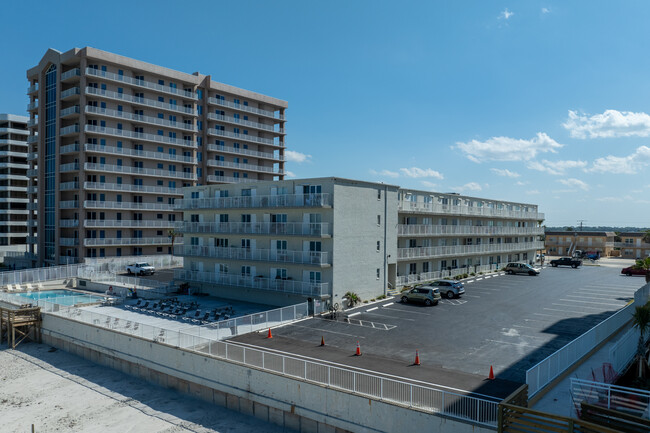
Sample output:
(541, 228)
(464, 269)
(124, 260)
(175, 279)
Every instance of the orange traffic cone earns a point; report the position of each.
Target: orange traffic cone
(491, 376)
(269, 335)
(417, 358)
(322, 341)
(358, 352)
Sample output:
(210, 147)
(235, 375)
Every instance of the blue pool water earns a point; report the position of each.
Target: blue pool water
(61, 297)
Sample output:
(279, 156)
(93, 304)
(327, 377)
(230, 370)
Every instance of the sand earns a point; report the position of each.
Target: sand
(60, 392)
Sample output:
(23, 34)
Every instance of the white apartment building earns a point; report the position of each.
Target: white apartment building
(279, 242)
(113, 140)
(13, 183)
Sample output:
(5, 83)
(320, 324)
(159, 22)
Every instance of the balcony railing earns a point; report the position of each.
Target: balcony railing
(245, 137)
(68, 186)
(32, 206)
(259, 201)
(239, 151)
(141, 83)
(32, 139)
(161, 240)
(305, 288)
(139, 136)
(69, 204)
(33, 88)
(319, 258)
(32, 172)
(137, 118)
(158, 156)
(247, 167)
(141, 101)
(76, 72)
(73, 166)
(247, 123)
(68, 242)
(246, 108)
(70, 110)
(32, 105)
(160, 224)
(72, 129)
(228, 179)
(419, 207)
(461, 250)
(32, 122)
(642, 245)
(67, 223)
(440, 230)
(259, 228)
(131, 188)
(69, 148)
(89, 166)
(403, 280)
(74, 91)
(93, 204)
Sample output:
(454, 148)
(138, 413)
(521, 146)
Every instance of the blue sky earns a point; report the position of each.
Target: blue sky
(535, 101)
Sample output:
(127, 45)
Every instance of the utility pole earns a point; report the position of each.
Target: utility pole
(581, 221)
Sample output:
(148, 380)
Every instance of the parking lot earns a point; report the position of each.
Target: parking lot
(510, 322)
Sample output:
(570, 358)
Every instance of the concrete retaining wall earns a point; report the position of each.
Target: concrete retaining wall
(294, 404)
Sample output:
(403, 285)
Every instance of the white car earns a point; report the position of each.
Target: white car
(140, 268)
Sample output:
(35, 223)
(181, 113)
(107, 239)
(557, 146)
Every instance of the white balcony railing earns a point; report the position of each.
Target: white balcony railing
(305, 288)
(141, 101)
(72, 129)
(76, 72)
(139, 136)
(259, 201)
(161, 240)
(160, 224)
(441, 230)
(229, 179)
(33, 88)
(137, 118)
(247, 152)
(247, 167)
(74, 91)
(461, 250)
(141, 83)
(122, 151)
(419, 207)
(93, 204)
(246, 108)
(247, 123)
(319, 258)
(89, 166)
(245, 137)
(99, 186)
(70, 110)
(261, 228)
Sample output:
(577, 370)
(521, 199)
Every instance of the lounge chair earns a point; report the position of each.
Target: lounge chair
(10, 288)
(40, 286)
(18, 288)
(29, 287)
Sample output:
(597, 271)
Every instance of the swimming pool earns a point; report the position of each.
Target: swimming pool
(61, 297)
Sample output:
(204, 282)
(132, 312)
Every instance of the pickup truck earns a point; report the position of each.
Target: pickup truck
(140, 268)
(566, 261)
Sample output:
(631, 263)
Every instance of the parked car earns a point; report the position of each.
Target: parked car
(449, 288)
(425, 294)
(566, 261)
(520, 268)
(633, 270)
(140, 268)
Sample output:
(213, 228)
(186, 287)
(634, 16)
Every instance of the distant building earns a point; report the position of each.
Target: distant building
(278, 242)
(632, 245)
(565, 243)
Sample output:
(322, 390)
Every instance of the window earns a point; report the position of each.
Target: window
(412, 268)
(378, 220)
(378, 246)
(378, 273)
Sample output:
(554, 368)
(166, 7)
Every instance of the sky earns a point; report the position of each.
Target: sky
(543, 102)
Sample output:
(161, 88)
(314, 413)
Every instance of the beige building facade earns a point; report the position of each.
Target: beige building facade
(633, 246)
(565, 243)
(113, 140)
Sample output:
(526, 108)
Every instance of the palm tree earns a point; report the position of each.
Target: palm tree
(646, 237)
(641, 320)
(172, 234)
(644, 264)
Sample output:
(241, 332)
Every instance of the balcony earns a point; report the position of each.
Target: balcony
(259, 201)
(443, 230)
(31, 156)
(70, 93)
(69, 148)
(158, 156)
(32, 139)
(140, 119)
(247, 123)
(32, 206)
(244, 137)
(32, 105)
(68, 223)
(32, 172)
(141, 83)
(245, 108)
(154, 224)
(32, 123)
(227, 179)
(68, 130)
(89, 166)
(451, 210)
(140, 101)
(70, 111)
(72, 73)
(247, 152)
(32, 189)
(68, 186)
(68, 242)
(66, 168)
(161, 240)
(258, 228)
(32, 89)
(247, 167)
(69, 204)
(132, 188)
(305, 288)
(93, 204)
(317, 258)
(464, 250)
(32, 240)
(139, 136)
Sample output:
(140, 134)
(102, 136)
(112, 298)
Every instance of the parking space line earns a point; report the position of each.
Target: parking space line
(490, 276)
(590, 302)
(372, 309)
(479, 279)
(471, 296)
(386, 305)
(467, 282)
(354, 314)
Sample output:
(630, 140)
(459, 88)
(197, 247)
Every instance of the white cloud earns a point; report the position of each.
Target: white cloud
(293, 156)
(428, 184)
(508, 149)
(290, 174)
(520, 183)
(504, 172)
(419, 172)
(610, 199)
(546, 11)
(555, 167)
(574, 183)
(611, 123)
(386, 173)
(470, 186)
(532, 192)
(506, 14)
(623, 164)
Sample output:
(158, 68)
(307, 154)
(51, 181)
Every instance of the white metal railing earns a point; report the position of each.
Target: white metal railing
(132, 188)
(118, 264)
(241, 107)
(305, 288)
(160, 240)
(137, 100)
(139, 136)
(404, 280)
(133, 223)
(70, 110)
(249, 167)
(434, 230)
(40, 274)
(140, 118)
(258, 201)
(267, 255)
(248, 123)
(301, 229)
(141, 83)
(158, 156)
(70, 92)
(633, 401)
(93, 204)
(76, 72)
(624, 350)
(227, 179)
(245, 137)
(454, 250)
(409, 206)
(72, 129)
(240, 151)
(90, 166)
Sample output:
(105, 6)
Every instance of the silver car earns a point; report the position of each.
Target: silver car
(427, 295)
(449, 288)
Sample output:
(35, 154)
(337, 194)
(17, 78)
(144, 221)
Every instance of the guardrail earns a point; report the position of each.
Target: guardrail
(629, 400)
(623, 351)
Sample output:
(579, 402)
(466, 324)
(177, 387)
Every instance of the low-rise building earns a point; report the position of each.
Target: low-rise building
(565, 243)
(633, 246)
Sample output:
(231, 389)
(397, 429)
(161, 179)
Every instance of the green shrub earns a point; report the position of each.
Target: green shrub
(353, 298)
